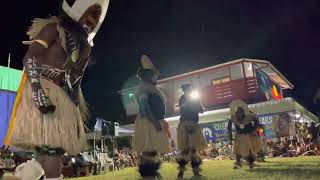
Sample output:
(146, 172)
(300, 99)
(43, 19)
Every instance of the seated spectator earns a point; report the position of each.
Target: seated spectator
(304, 130)
(284, 149)
(274, 149)
(292, 149)
(311, 149)
(299, 150)
(133, 156)
(314, 132)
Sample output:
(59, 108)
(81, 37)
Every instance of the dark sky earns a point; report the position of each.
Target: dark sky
(184, 35)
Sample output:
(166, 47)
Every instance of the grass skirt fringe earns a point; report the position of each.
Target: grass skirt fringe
(61, 129)
(244, 144)
(146, 138)
(186, 140)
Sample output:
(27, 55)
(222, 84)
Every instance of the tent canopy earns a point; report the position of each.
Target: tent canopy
(123, 132)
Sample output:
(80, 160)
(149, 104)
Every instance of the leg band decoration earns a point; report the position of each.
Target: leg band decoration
(149, 165)
(196, 161)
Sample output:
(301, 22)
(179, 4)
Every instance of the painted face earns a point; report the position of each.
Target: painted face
(240, 113)
(90, 18)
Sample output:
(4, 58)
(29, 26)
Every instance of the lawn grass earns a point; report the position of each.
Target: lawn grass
(302, 168)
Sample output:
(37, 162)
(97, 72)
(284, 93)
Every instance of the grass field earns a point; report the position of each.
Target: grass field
(302, 168)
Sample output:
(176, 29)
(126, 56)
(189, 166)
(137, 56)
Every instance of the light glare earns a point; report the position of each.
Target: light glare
(195, 94)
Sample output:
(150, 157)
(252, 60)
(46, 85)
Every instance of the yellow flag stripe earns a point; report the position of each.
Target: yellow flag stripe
(275, 91)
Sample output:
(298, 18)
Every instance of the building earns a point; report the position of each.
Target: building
(257, 82)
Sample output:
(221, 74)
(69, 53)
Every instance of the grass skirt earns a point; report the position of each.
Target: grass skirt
(146, 138)
(186, 140)
(246, 144)
(61, 129)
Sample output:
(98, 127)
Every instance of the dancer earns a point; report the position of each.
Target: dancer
(189, 134)
(151, 130)
(246, 142)
(50, 110)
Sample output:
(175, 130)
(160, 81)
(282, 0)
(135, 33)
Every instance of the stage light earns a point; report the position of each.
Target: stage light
(195, 94)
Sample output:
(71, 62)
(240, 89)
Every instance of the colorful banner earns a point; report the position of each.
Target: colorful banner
(278, 125)
(266, 121)
(9, 83)
(283, 124)
(215, 131)
(274, 125)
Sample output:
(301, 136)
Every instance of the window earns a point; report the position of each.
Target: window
(207, 77)
(248, 69)
(220, 80)
(221, 73)
(236, 71)
(226, 79)
(216, 81)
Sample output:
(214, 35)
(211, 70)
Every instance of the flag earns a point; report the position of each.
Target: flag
(263, 80)
(98, 125)
(9, 84)
(267, 86)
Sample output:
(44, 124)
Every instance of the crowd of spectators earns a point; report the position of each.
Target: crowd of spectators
(124, 158)
(306, 142)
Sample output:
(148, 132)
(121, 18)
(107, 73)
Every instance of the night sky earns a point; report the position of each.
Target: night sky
(180, 36)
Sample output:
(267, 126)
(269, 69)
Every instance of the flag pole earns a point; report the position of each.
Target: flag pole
(94, 143)
(9, 60)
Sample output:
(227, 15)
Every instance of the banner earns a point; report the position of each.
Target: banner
(266, 122)
(215, 131)
(278, 125)
(274, 125)
(283, 124)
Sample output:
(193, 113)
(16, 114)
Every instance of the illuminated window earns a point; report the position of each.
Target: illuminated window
(220, 80)
(226, 79)
(216, 81)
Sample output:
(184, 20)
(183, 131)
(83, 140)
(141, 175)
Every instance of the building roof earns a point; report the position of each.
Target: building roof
(274, 73)
(264, 65)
